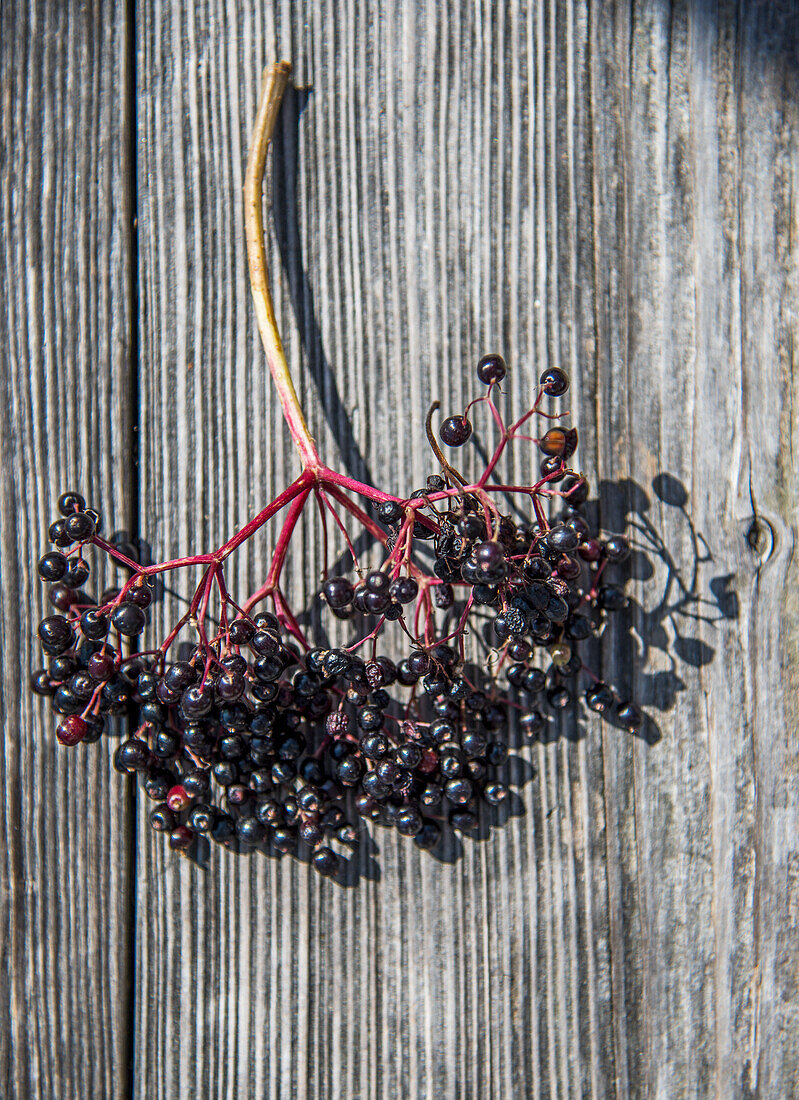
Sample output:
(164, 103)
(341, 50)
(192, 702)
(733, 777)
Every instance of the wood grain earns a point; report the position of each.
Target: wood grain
(66, 421)
(605, 189)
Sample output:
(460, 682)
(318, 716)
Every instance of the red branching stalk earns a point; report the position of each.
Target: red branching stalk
(318, 480)
(194, 712)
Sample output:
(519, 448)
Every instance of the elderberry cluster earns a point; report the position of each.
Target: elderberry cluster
(255, 738)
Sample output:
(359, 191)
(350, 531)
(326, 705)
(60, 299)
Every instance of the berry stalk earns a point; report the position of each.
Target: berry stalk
(252, 734)
(273, 87)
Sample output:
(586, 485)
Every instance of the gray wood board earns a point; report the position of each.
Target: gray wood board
(610, 190)
(66, 421)
(604, 187)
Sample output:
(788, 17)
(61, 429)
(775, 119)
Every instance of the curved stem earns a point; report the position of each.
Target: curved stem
(274, 84)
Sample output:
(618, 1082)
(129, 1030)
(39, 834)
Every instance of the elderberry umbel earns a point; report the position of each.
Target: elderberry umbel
(241, 729)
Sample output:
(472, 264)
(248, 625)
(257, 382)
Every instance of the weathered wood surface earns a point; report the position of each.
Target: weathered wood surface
(66, 420)
(603, 187)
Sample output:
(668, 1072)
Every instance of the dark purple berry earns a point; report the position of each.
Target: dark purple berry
(77, 573)
(132, 755)
(443, 596)
(495, 793)
(181, 838)
(458, 790)
(404, 589)
(617, 549)
(455, 431)
(491, 368)
(599, 697)
(70, 502)
(250, 831)
(128, 619)
(562, 538)
(52, 567)
(162, 819)
(630, 716)
(378, 582)
(55, 634)
(325, 861)
(554, 382)
(531, 723)
(337, 591)
(79, 526)
(40, 682)
(72, 730)
(196, 701)
(558, 697)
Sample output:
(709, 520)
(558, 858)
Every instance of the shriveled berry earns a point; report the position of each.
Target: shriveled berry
(389, 512)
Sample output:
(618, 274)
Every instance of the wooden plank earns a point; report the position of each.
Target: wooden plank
(699, 224)
(599, 187)
(66, 420)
